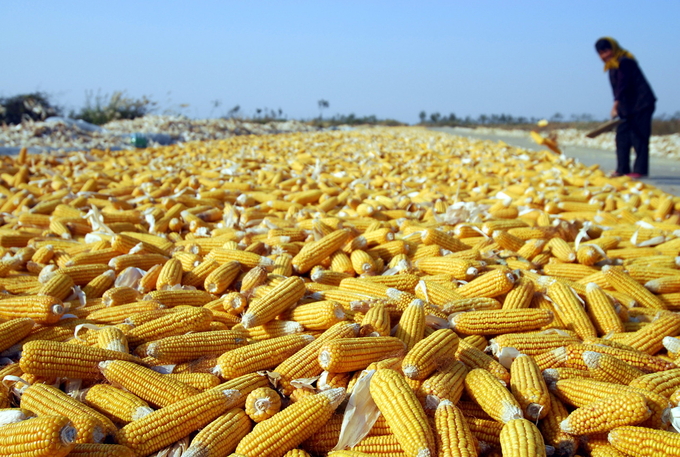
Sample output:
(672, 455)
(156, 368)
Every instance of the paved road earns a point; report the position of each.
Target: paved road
(664, 173)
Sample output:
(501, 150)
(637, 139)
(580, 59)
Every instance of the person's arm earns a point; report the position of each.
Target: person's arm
(622, 83)
(615, 109)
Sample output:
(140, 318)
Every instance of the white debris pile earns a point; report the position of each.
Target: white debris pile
(60, 133)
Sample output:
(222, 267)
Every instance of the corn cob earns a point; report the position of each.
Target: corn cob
(180, 297)
(473, 357)
(458, 268)
(14, 330)
(529, 388)
(173, 422)
(46, 436)
(303, 364)
(319, 315)
(607, 368)
(272, 329)
(147, 384)
(445, 384)
(43, 309)
(376, 320)
(260, 355)
(470, 304)
(312, 253)
(519, 296)
(262, 404)
(644, 442)
(116, 404)
(491, 284)
(45, 400)
(425, 356)
(625, 284)
(520, 438)
(51, 358)
(404, 415)
(649, 339)
(601, 311)
(191, 346)
(663, 383)
(352, 354)
(570, 310)
(101, 450)
(606, 414)
(494, 322)
(120, 313)
(177, 322)
(454, 438)
(564, 443)
(287, 429)
(492, 395)
(279, 299)
(221, 436)
(411, 326)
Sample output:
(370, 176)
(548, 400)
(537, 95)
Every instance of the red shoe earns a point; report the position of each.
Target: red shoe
(635, 175)
(614, 174)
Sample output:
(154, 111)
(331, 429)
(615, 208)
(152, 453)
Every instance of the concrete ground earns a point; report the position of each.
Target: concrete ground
(663, 173)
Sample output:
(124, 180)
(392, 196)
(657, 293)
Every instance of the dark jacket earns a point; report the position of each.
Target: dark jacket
(631, 89)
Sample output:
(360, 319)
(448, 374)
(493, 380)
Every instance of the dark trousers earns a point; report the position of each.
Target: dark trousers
(634, 132)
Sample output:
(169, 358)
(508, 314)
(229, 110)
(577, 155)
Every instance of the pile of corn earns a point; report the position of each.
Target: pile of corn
(388, 292)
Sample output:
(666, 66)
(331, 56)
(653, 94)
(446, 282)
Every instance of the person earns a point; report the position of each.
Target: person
(634, 103)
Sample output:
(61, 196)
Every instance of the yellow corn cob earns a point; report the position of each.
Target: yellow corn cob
(411, 326)
(491, 284)
(333, 278)
(101, 256)
(172, 423)
(101, 450)
(404, 415)
(573, 357)
(606, 414)
(529, 388)
(507, 241)
(45, 400)
(663, 383)
(283, 265)
(445, 384)
(454, 438)
(664, 285)
(474, 357)
(221, 436)
(112, 338)
(564, 443)
(362, 263)
(519, 296)
(521, 438)
(403, 281)
(272, 329)
(46, 436)
(340, 262)
(262, 404)
(352, 354)
(436, 294)
(388, 250)
(607, 368)
(170, 274)
(100, 284)
(458, 268)
(254, 278)
(221, 277)
(319, 315)
(303, 363)
(43, 309)
(287, 429)
(601, 311)
(116, 404)
(196, 277)
(276, 301)
(570, 310)
(649, 339)
(147, 282)
(14, 330)
(59, 286)
(260, 355)
(51, 358)
(180, 297)
(176, 322)
(428, 354)
(432, 236)
(494, 322)
(470, 304)
(365, 286)
(119, 313)
(492, 396)
(580, 392)
(121, 295)
(376, 320)
(644, 442)
(147, 384)
(313, 253)
(625, 284)
(200, 381)
(191, 346)
(561, 250)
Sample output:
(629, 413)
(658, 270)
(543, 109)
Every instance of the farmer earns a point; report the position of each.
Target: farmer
(633, 102)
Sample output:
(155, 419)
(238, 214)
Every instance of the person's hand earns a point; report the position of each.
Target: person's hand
(615, 110)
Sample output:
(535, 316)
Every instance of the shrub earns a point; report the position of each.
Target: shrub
(101, 109)
(25, 107)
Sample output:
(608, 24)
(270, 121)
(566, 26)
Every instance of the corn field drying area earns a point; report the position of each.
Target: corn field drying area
(375, 292)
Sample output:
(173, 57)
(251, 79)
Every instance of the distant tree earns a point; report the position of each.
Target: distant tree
(215, 104)
(483, 118)
(435, 117)
(422, 115)
(234, 112)
(323, 104)
(557, 117)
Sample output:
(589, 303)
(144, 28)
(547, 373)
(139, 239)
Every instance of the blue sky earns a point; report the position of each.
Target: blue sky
(388, 58)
